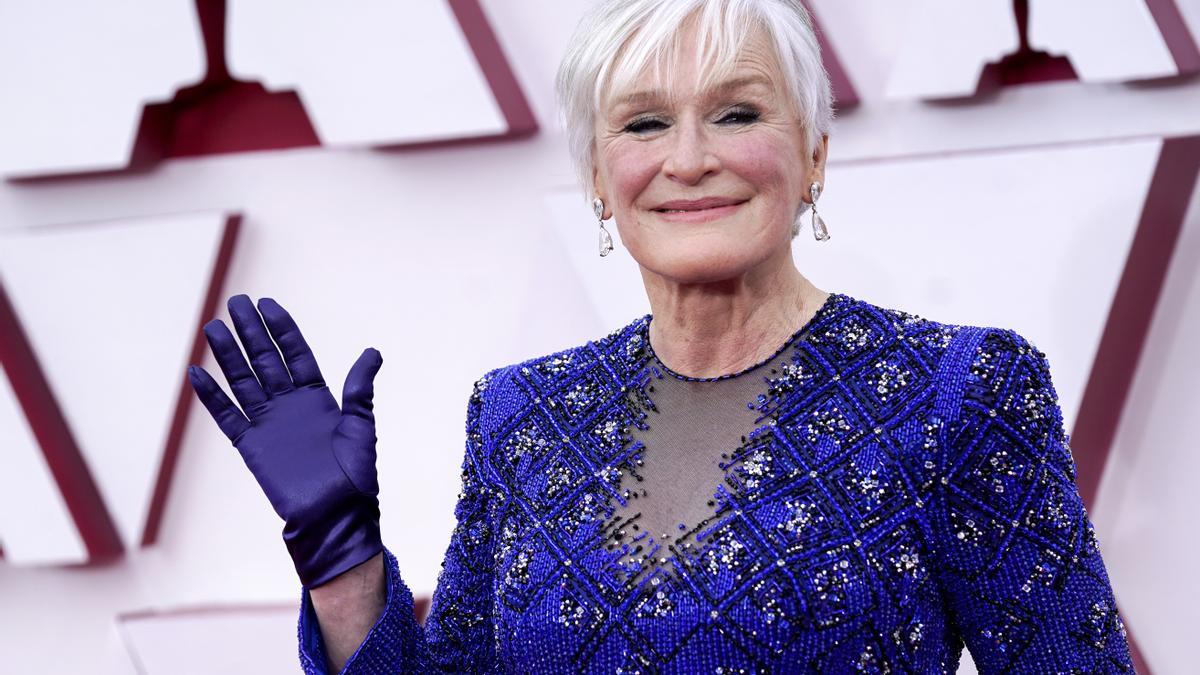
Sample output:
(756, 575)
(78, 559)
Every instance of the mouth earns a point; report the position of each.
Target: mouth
(699, 209)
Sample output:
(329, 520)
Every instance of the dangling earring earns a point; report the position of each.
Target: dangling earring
(606, 245)
(820, 232)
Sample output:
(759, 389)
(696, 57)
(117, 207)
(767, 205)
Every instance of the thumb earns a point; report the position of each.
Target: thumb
(359, 391)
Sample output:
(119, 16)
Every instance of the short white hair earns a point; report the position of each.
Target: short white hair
(618, 39)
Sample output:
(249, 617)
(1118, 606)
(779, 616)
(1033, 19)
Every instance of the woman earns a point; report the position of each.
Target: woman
(759, 476)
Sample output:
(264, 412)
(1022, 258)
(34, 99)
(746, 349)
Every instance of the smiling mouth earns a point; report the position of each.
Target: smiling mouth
(700, 208)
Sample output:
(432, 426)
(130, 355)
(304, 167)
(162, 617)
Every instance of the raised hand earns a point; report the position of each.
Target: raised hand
(314, 461)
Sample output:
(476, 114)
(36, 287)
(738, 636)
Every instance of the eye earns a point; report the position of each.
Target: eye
(645, 124)
(742, 115)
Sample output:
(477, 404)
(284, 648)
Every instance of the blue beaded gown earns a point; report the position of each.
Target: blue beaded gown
(882, 491)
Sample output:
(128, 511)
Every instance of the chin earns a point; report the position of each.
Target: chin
(698, 264)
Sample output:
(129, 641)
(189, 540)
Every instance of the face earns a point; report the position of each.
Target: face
(705, 185)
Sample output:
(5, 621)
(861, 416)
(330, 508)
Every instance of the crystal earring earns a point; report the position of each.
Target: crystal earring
(606, 244)
(820, 232)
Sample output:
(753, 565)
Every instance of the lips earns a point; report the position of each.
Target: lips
(685, 206)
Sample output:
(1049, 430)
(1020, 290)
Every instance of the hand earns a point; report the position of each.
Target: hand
(314, 461)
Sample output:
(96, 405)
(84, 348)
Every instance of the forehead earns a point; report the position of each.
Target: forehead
(693, 62)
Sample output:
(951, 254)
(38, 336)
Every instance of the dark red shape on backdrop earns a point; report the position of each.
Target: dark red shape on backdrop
(494, 64)
(186, 396)
(1180, 41)
(1132, 311)
(53, 434)
(221, 115)
(844, 95)
(52, 430)
(1129, 319)
(1026, 65)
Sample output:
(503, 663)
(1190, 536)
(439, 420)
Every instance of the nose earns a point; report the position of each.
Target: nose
(690, 158)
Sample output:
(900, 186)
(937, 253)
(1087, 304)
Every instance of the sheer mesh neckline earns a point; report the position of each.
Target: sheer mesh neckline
(797, 334)
(694, 444)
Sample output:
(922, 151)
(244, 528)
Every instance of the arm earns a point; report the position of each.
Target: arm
(457, 636)
(346, 608)
(1018, 558)
(315, 461)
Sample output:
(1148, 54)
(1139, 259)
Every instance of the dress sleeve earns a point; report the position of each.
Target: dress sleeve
(458, 633)
(1018, 559)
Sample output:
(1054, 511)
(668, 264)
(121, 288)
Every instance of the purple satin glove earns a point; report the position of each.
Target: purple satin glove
(314, 461)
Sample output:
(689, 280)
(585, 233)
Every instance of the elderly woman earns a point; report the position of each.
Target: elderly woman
(759, 476)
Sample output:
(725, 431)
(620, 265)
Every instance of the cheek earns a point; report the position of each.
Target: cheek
(630, 168)
(771, 165)
(765, 163)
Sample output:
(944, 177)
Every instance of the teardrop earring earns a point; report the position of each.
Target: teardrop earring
(606, 244)
(820, 232)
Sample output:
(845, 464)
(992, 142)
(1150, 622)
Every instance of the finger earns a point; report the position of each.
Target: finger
(241, 379)
(296, 353)
(264, 358)
(231, 420)
(359, 392)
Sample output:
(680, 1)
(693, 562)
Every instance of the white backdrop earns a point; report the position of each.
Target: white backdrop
(1015, 209)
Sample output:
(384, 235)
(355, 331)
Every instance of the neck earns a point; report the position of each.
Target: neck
(715, 328)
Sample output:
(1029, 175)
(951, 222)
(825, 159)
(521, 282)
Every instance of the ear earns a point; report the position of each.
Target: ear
(599, 191)
(817, 172)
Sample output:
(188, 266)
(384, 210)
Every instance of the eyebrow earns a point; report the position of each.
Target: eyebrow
(724, 87)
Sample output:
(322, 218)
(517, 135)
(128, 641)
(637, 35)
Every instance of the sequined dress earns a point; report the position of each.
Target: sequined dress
(880, 491)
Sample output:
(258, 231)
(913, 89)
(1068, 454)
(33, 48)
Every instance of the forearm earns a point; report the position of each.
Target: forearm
(347, 606)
